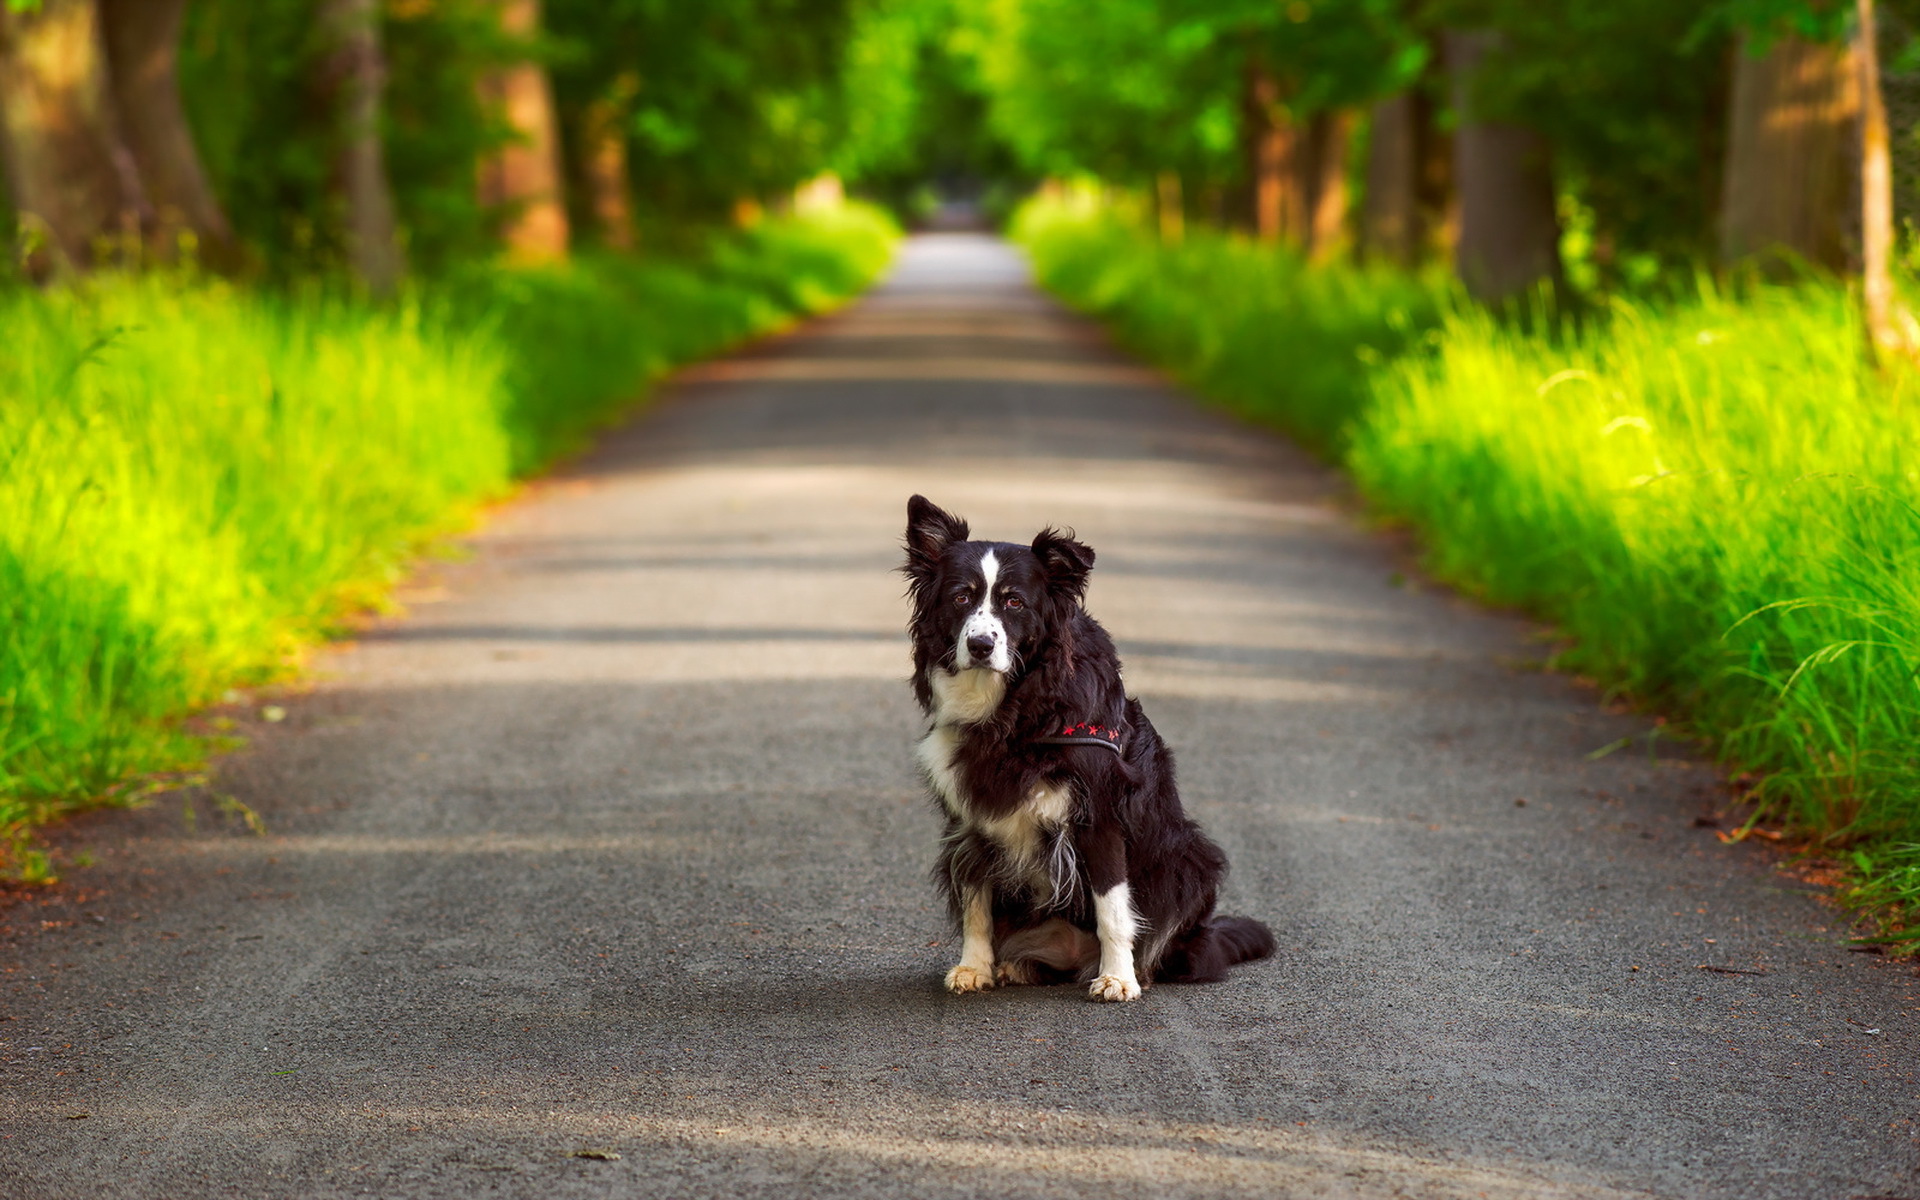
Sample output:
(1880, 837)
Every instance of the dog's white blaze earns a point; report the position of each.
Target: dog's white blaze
(1116, 925)
(983, 623)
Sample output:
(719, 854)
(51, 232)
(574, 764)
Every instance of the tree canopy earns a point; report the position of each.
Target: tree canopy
(660, 114)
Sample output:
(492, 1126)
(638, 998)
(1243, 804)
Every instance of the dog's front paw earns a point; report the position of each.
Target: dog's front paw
(968, 978)
(1115, 987)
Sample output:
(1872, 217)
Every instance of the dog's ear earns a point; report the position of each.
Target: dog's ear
(1066, 562)
(930, 530)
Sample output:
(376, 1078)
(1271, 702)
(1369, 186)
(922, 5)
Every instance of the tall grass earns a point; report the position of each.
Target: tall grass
(1255, 329)
(1710, 494)
(195, 480)
(1716, 499)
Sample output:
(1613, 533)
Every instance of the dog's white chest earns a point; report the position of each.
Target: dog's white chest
(1022, 835)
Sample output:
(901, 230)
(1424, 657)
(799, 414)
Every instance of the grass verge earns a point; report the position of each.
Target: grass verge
(197, 480)
(1710, 494)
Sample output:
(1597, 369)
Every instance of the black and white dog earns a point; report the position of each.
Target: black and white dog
(1067, 854)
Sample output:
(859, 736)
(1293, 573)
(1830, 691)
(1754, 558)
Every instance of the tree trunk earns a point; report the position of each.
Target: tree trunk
(72, 181)
(1332, 137)
(523, 177)
(1390, 224)
(1273, 160)
(142, 40)
(1789, 185)
(1409, 211)
(1169, 206)
(1509, 233)
(356, 75)
(603, 151)
(1436, 190)
(1892, 332)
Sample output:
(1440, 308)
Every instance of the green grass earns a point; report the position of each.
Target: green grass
(197, 480)
(1709, 494)
(1255, 329)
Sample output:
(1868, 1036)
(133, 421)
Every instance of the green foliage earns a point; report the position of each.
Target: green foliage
(1631, 96)
(1815, 20)
(1645, 480)
(195, 480)
(919, 117)
(730, 99)
(251, 80)
(1127, 89)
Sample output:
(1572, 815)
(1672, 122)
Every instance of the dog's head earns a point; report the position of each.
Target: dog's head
(986, 604)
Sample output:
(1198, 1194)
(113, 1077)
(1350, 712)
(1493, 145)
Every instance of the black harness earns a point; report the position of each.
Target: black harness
(1085, 735)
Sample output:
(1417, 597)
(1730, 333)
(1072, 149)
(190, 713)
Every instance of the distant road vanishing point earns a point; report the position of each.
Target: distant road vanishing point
(603, 871)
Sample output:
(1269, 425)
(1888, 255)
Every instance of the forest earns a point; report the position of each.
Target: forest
(1604, 301)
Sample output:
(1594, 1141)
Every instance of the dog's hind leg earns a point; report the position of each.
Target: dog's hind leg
(974, 973)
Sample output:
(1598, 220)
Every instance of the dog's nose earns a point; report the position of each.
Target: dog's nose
(980, 645)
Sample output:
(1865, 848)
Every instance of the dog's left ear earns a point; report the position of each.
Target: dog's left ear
(1066, 562)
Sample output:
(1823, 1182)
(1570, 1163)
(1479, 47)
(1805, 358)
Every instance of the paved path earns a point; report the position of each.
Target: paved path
(615, 845)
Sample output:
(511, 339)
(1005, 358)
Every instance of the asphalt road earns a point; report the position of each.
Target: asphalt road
(614, 845)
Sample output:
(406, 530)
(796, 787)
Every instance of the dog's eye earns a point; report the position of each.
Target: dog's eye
(963, 598)
(1013, 601)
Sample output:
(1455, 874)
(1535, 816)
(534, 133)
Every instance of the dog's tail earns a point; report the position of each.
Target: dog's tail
(1204, 953)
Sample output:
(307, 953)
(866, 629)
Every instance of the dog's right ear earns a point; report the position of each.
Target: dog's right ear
(930, 530)
(1067, 561)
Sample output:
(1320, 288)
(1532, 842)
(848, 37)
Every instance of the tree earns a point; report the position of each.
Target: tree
(1509, 233)
(1892, 332)
(1409, 196)
(1789, 154)
(1275, 154)
(734, 99)
(142, 43)
(1241, 94)
(523, 177)
(74, 184)
(1630, 95)
(603, 162)
(355, 74)
(1329, 138)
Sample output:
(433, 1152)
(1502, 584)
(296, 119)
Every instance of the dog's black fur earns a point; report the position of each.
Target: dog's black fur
(1045, 829)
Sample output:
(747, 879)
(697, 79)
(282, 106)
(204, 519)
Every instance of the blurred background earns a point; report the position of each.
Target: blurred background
(283, 138)
(1596, 145)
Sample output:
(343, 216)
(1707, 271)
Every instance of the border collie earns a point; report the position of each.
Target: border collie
(1067, 855)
